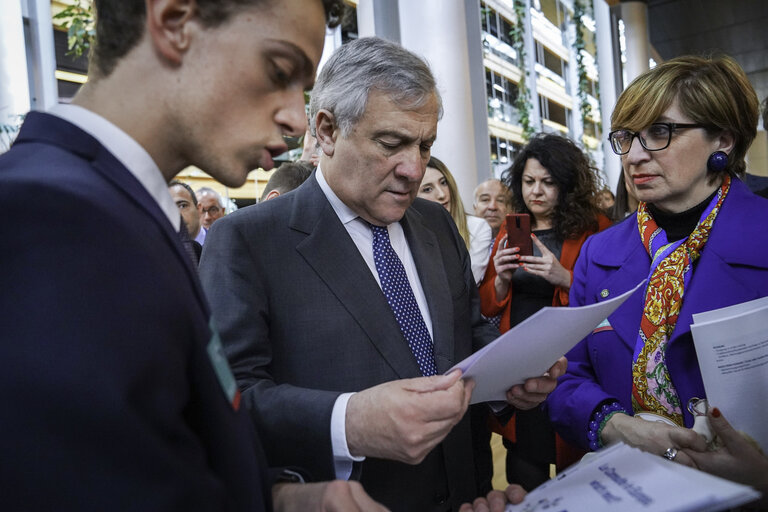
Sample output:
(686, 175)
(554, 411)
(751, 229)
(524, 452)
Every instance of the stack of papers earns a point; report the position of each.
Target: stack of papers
(624, 478)
(732, 348)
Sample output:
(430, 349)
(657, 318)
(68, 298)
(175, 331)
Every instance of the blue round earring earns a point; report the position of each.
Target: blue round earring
(717, 161)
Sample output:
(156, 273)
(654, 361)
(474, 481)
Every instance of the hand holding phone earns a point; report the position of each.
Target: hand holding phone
(519, 233)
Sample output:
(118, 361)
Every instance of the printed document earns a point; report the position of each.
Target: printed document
(530, 348)
(732, 348)
(627, 479)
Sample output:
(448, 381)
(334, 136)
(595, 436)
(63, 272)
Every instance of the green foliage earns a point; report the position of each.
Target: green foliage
(585, 108)
(523, 101)
(78, 19)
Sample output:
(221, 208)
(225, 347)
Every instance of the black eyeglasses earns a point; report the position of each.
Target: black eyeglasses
(654, 138)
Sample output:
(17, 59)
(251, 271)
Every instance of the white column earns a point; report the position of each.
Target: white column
(635, 16)
(42, 55)
(14, 85)
(606, 67)
(332, 42)
(366, 26)
(437, 30)
(379, 18)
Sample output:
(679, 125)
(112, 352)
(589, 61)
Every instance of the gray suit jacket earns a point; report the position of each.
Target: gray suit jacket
(303, 320)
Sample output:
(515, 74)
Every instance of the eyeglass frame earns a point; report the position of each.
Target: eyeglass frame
(203, 211)
(672, 127)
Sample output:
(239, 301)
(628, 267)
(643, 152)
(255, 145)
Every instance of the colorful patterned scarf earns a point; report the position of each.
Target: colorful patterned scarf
(652, 388)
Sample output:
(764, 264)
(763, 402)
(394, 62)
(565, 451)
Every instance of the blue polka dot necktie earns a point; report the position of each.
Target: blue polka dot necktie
(397, 290)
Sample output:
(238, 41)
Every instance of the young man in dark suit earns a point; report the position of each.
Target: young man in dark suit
(340, 330)
(115, 392)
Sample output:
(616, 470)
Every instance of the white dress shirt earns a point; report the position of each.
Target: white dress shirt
(362, 236)
(129, 152)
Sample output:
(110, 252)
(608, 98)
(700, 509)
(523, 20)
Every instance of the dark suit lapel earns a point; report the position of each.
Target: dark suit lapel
(49, 129)
(332, 254)
(426, 253)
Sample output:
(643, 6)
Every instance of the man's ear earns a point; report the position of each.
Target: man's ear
(168, 26)
(272, 194)
(326, 131)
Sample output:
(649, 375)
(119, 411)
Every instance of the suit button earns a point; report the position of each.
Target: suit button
(441, 498)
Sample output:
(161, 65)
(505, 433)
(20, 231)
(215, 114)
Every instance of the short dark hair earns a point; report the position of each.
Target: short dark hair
(120, 24)
(288, 177)
(572, 172)
(173, 183)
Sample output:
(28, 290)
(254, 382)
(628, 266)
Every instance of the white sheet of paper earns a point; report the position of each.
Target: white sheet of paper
(627, 479)
(732, 348)
(532, 347)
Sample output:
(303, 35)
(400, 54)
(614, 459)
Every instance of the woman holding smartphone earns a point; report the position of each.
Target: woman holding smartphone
(553, 182)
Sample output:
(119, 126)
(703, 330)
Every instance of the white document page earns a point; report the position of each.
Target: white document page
(628, 480)
(733, 358)
(532, 347)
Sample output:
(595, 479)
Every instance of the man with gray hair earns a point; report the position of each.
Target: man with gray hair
(341, 332)
(211, 207)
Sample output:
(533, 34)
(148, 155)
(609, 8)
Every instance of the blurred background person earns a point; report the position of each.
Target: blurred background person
(286, 178)
(492, 203)
(605, 200)
(186, 202)
(439, 186)
(552, 180)
(682, 130)
(626, 200)
(311, 151)
(211, 207)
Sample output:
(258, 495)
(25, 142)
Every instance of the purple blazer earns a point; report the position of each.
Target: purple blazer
(733, 268)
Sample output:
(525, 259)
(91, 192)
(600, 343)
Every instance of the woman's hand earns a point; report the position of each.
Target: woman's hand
(736, 459)
(650, 436)
(546, 266)
(506, 260)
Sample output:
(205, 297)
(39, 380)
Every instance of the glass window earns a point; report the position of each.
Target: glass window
(496, 34)
(554, 11)
(503, 152)
(554, 111)
(502, 94)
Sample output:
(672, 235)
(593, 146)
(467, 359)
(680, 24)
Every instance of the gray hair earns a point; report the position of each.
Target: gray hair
(207, 190)
(369, 63)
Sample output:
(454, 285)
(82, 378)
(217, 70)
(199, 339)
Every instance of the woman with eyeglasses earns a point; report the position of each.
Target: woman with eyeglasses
(682, 130)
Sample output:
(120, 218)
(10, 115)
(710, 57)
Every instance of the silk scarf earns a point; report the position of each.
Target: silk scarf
(670, 273)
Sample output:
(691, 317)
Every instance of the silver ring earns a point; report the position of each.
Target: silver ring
(670, 454)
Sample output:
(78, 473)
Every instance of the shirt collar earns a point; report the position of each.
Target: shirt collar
(129, 152)
(343, 212)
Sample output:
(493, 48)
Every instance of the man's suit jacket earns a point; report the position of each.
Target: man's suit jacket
(303, 320)
(109, 397)
(733, 268)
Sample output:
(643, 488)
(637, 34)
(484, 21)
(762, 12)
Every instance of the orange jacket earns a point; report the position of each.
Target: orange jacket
(491, 307)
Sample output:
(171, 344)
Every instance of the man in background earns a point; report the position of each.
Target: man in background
(286, 178)
(492, 203)
(186, 202)
(211, 206)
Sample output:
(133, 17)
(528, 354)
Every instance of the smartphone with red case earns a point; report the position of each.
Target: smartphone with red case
(519, 233)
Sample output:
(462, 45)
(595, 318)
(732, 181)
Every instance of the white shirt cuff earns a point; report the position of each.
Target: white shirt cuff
(342, 459)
